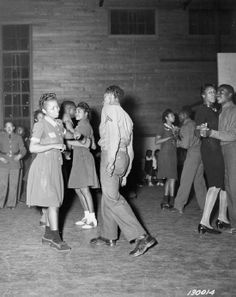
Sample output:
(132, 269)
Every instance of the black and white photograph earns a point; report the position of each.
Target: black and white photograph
(117, 148)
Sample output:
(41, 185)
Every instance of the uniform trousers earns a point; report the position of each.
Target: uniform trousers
(229, 154)
(192, 173)
(114, 208)
(9, 180)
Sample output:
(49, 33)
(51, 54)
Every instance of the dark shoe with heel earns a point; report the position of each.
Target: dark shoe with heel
(60, 245)
(165, 205)
(102, 241)
(53, 239)
(221, 224)
(202, 229)
(225, 227)
(142, 245)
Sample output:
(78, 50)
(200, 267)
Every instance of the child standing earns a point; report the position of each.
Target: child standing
(45, 182)
(83, 173)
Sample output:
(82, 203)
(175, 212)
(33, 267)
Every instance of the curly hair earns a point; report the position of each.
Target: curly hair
(206, 86)
(45, 98)
(116, 91)
(165, 114)
(85, 107)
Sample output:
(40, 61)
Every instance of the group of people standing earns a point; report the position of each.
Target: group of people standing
(45, 185)
(210, 142)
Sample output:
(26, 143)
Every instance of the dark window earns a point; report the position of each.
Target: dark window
(206, 21)
(135, 21)
(16, 74)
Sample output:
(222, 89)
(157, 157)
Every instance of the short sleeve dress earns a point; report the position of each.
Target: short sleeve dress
(167, 158)
(45, 182)
(83, 172)
(211, 153)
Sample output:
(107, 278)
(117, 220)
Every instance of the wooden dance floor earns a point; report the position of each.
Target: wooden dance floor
(182, 262)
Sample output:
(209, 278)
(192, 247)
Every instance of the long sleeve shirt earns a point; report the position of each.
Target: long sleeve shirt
(227, 124)
(116, 130)
(188, 138)
(10, 146)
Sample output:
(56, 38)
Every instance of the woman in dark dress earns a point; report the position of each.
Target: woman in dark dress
(207, 116)
(167, 159)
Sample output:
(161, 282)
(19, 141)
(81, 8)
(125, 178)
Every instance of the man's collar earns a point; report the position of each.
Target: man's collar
(228, 104)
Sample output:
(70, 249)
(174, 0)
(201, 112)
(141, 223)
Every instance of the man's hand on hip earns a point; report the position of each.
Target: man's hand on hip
(110, 168)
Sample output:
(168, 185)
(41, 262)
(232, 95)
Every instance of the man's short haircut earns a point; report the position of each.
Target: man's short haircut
(63, 107)
(187, 111)
(116, 91)
(229, 88)
(68, 102)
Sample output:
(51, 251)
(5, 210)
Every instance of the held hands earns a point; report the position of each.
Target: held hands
(175, 131)
(204, 130)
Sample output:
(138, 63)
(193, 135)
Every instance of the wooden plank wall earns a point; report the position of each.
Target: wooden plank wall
(74, 55)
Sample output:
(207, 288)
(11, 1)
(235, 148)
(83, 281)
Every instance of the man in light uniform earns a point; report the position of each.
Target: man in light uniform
(12, 150)
(116, 141)
(193, 172)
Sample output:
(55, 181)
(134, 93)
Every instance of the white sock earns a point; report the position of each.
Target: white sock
(211, 197)
(86, 214)
(223, 207)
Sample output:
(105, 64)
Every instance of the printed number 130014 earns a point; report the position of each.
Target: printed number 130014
(200, 292)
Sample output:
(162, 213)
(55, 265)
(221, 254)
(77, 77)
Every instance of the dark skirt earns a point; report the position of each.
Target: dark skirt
(83, 172)
(213, 162)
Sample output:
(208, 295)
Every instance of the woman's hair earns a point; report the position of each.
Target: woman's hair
(116, 91)
(85, 107)
(36, 113)
(46, 98)
(206, 86)
(165, 114)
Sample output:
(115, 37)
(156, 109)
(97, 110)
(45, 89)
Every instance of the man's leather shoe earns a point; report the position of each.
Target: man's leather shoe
(102, 241)
(142, 245)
